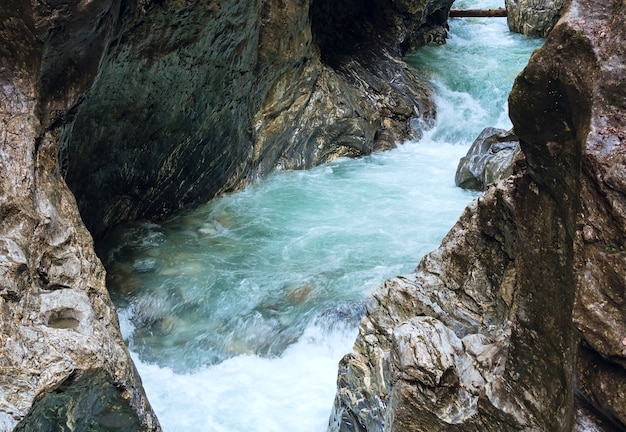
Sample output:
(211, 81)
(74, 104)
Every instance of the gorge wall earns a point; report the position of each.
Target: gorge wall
(517, 321)
(193, 97)
(143, 107)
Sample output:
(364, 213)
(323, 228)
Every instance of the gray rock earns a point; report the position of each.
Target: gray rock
(63, 359)
(534, 17)
(489, 159)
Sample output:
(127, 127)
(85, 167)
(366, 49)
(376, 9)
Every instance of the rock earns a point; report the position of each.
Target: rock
(63, 359)
(530, 279)
(533, 17)
(489, 159)
(188, 99)
(603, 385)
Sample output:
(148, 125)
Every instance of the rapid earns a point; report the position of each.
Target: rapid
(237, 313)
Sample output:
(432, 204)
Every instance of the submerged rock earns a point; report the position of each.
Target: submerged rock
(533, 17)
(486, 334)
(489, 159)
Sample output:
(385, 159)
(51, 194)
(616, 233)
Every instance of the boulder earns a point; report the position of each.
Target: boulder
(533, 17)
(489, 159)
(517, 321)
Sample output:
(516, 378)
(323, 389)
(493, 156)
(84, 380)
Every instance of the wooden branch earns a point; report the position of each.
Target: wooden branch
(484, 13)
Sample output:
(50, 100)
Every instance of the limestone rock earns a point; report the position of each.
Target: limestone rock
(489, 159)
(485, 335)
(533, 17)
(59, 332)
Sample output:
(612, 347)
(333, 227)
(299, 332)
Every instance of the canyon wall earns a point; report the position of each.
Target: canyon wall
(193, 98)
(63, 360)
(517, 321)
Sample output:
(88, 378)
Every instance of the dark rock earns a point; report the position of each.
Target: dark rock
(489, 159)
(192, 99)
(602, 385)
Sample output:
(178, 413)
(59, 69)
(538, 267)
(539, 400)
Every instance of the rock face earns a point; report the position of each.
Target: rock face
(192, 98)
(489, 159)
(146, 106)
(533, 17)
(522, 306)
(58, 329)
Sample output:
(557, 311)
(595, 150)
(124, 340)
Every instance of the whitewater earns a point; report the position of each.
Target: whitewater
(238, 312)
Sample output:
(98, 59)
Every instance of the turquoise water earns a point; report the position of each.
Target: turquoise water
(238, 312)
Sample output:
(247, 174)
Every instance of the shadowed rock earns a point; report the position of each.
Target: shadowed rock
(195, 98)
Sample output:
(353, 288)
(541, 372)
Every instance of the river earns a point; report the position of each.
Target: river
(238, 312)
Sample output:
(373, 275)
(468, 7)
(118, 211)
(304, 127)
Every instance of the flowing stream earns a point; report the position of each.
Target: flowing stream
(238, 312)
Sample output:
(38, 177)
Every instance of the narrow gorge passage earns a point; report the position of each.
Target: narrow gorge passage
(237, 313)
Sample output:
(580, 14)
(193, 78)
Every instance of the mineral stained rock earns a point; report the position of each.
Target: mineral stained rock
(517, 321)
(533, 17)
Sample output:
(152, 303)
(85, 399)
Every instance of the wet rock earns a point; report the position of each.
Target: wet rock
(531, 266)
(191, 100)
(602, 384)
(534, 17)
(489, 159)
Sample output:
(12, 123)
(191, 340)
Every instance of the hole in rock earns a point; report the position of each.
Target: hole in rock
(64, 319)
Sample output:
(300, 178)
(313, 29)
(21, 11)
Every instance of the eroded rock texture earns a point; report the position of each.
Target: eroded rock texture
(488, 160)
(195, 97)
(485, 334)
(533, 17)
(59, 332)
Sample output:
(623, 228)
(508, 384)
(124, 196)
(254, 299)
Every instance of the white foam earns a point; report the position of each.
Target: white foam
(291, 393)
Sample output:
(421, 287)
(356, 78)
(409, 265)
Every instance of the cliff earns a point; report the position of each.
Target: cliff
(143, 107)
(517, 321)
(58, 330)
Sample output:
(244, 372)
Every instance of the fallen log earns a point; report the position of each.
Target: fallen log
(488, 13)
